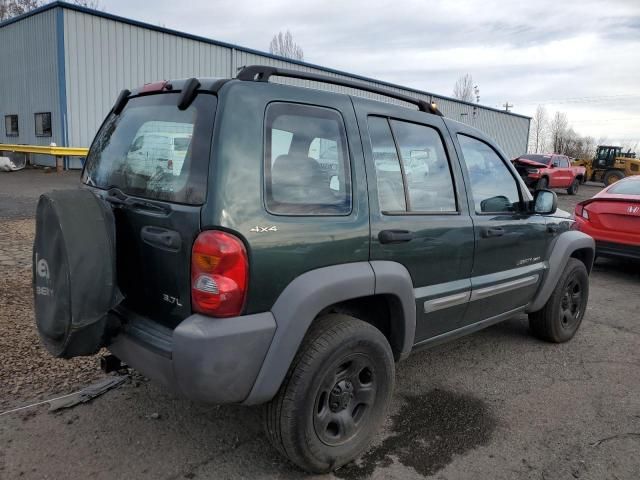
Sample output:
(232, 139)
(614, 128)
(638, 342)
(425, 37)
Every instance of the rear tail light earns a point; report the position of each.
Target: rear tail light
(582, 212)
(219, 274)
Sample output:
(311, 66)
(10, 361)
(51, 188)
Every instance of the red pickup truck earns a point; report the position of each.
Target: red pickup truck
(549, 171)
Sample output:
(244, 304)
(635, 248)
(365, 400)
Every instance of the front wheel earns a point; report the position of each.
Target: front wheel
(542, 183)
(559, 320)
(335, 395)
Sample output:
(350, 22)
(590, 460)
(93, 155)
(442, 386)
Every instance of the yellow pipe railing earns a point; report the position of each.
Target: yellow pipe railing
(45, 150)
(59, 152)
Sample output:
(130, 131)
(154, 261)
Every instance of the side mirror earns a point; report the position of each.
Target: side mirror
(545, 202)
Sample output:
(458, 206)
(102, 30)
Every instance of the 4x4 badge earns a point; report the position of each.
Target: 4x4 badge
(259, 229)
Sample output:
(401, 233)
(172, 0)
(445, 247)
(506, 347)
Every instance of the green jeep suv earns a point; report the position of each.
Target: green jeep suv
(304, 244)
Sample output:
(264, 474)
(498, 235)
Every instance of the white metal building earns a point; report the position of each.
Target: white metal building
(64, 65)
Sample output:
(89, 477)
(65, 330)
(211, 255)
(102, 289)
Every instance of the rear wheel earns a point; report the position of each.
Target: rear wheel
(573, 189)
(335, 395)
(542, 183)
(612, 176)
(559, 320)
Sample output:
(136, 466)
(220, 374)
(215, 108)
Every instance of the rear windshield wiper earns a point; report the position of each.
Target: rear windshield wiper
(115, 196)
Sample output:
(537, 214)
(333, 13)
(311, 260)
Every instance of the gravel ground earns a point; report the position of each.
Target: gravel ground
(28, 372)
(497, 404)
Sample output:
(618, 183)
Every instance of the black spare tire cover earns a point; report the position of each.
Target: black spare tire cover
(74, 271)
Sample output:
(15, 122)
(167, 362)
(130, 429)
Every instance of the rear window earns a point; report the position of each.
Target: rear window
(154, 150)
(626, 188)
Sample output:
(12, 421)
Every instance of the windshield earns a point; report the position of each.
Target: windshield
(154, 150)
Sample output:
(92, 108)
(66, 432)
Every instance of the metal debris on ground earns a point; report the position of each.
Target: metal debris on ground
(86, 394)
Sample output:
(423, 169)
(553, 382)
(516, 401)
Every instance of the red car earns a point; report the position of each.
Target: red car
(549, 171)
(612, 218)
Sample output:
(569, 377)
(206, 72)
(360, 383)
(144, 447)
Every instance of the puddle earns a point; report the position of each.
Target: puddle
(426, 433)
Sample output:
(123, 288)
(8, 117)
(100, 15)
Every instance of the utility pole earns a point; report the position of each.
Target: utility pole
(507, 106)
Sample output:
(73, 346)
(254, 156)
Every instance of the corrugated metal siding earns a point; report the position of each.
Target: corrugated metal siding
(29, 79)
(103, 56)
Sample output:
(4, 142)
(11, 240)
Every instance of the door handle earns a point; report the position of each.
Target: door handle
(161, 238)
(395, 236)
(553, 228)
(492, 232)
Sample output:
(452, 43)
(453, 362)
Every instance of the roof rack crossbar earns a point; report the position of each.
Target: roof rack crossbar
(261, 73)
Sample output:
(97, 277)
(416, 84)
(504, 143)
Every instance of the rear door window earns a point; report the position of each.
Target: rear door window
(154, 150)
(412, 168)
(307, 168)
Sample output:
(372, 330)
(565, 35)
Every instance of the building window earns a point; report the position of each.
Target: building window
(43, 124)
(11, 125)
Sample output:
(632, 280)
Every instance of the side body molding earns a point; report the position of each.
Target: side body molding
(294, 311)
(393, 278)
(566, 243)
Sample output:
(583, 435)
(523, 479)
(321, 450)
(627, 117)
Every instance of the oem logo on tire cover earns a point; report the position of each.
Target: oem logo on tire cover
(42, 267)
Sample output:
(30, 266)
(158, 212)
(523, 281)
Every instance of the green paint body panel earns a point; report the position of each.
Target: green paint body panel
(446, 253)
(236, 193)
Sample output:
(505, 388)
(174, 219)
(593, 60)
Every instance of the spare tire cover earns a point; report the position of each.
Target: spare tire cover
(74, 271)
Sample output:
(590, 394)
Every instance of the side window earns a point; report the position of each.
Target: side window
(493, 187)
(387, 165)
(307, 168)
(426, 168)
(564, 162)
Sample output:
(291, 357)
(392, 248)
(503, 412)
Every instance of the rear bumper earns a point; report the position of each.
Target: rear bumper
(611, 243)
(213, 360)
(610, 249)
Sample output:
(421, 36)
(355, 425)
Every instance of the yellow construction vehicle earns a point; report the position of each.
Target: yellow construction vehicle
(609, 165)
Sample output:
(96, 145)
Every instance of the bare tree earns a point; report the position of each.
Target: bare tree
(284, 46)
(630, 146)
(558, 130)
(539, 125)
(13, 8)
(93, 4)
(463, 89)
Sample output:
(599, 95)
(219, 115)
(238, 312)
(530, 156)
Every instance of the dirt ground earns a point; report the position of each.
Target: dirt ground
(498, 404)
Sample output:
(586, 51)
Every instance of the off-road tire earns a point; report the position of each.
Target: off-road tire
(542, 183)
(559, 320)
(573, 189)
(333, 344)
(612, 176)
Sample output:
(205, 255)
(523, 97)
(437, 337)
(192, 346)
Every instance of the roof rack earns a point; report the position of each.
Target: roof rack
(261, 73)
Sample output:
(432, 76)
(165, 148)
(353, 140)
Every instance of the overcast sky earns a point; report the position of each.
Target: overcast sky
(577, 56)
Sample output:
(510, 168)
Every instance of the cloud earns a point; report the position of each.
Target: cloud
(521, 52)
